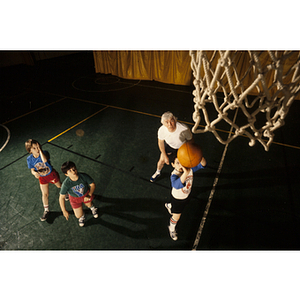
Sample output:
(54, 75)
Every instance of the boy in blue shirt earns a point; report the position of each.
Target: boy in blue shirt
(39, 163)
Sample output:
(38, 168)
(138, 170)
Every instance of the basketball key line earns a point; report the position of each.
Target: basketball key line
(77, 124)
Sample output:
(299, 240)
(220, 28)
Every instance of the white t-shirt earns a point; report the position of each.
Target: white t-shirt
(177, 138)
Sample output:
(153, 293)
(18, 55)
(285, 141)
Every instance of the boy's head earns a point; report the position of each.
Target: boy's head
(175, 162)
(68, 165)
(29, 143)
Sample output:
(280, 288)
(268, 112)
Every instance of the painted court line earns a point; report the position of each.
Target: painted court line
(32, 111)
(212, 192)
(77, 124)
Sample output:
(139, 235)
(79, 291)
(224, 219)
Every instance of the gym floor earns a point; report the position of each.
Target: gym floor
(246, 199)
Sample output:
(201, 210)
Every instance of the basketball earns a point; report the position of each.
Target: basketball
(189, 155)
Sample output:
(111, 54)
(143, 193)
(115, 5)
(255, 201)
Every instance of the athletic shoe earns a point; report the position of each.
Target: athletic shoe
(67, 197)
(168, 207)
(81, 222)
(173, 234)
(45, 215)
(154, 176)
(94, 212)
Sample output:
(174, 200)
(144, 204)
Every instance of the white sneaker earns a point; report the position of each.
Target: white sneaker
(95, 212)
(168, 206)
(81, 221)
(173, 234)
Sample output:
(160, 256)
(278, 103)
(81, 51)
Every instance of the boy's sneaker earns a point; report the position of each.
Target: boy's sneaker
(168, 207)
(81, 222)
(95, 212)
(67, 197)
(154, 176)
(45, 215)
(173, 234)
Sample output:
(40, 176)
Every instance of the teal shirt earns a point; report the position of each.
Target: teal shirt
(76, 188)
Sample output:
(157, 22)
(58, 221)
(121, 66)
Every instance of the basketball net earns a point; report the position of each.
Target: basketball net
(256, 88)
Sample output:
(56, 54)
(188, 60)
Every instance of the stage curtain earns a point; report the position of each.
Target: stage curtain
(163, 66)
(175, 66)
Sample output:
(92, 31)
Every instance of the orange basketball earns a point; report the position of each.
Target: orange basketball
(189, 155)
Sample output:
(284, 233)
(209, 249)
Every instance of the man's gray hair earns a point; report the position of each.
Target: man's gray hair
(167, 116)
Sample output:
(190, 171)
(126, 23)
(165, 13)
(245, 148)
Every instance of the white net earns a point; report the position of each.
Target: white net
(251, 91)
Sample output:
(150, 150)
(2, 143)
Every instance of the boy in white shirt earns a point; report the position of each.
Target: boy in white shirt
(181, 182)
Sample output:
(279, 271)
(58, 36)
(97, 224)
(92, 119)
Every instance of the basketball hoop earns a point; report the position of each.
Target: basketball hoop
(251, 91)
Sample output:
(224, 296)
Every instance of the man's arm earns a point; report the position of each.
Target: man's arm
(161, 146)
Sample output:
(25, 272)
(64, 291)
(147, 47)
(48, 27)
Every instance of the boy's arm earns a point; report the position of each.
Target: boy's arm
(185, 174)
(176, 182)
(42, 155)
(90, 194)
(63, 206)
(34, 173)
(201, 165)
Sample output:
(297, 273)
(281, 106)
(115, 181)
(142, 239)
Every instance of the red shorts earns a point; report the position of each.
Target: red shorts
(53, 177)
(76, 202)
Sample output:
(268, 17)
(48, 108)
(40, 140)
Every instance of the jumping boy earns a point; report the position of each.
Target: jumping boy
(39, 163)
(181, 182)
(80, 188)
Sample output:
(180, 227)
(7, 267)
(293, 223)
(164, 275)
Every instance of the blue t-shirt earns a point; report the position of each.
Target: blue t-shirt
(43, 169)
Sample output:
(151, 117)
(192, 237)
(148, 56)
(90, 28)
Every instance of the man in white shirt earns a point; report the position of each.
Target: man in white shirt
(171, 135)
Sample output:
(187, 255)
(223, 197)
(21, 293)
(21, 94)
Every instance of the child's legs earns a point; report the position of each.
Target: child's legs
(45, 193)
(88, 204)
(78, 212)
(58, 184)
(176, 217)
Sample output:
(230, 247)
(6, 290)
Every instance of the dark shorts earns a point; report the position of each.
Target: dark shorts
(76, 202)
(170, 150)
(178, 205)
(53, 177)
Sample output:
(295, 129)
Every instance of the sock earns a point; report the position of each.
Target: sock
(173, 223)
(158, 171)
(46, 207)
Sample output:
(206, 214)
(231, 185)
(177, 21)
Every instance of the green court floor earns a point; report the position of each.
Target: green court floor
(246, 199)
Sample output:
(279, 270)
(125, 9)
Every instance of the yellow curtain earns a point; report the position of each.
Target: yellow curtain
(174, 66)
(164, 66)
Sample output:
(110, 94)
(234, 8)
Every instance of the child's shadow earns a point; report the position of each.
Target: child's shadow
(55, 214)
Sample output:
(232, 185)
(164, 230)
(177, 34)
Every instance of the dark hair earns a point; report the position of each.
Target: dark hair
(67, 166)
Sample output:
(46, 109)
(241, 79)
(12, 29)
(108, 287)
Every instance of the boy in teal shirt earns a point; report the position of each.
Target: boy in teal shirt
(80, 188)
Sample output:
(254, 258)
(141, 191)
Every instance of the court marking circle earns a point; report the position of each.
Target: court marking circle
(98, 82)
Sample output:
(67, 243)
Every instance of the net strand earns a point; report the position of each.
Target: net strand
(267, 83)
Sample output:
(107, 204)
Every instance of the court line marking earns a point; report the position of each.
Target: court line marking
(125, 109)
(189, 123)
(153, 115)
(77, 124)
(212, 192)
(35, 110)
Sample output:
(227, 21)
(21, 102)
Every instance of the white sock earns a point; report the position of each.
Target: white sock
(173, 223)
(46, 207)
